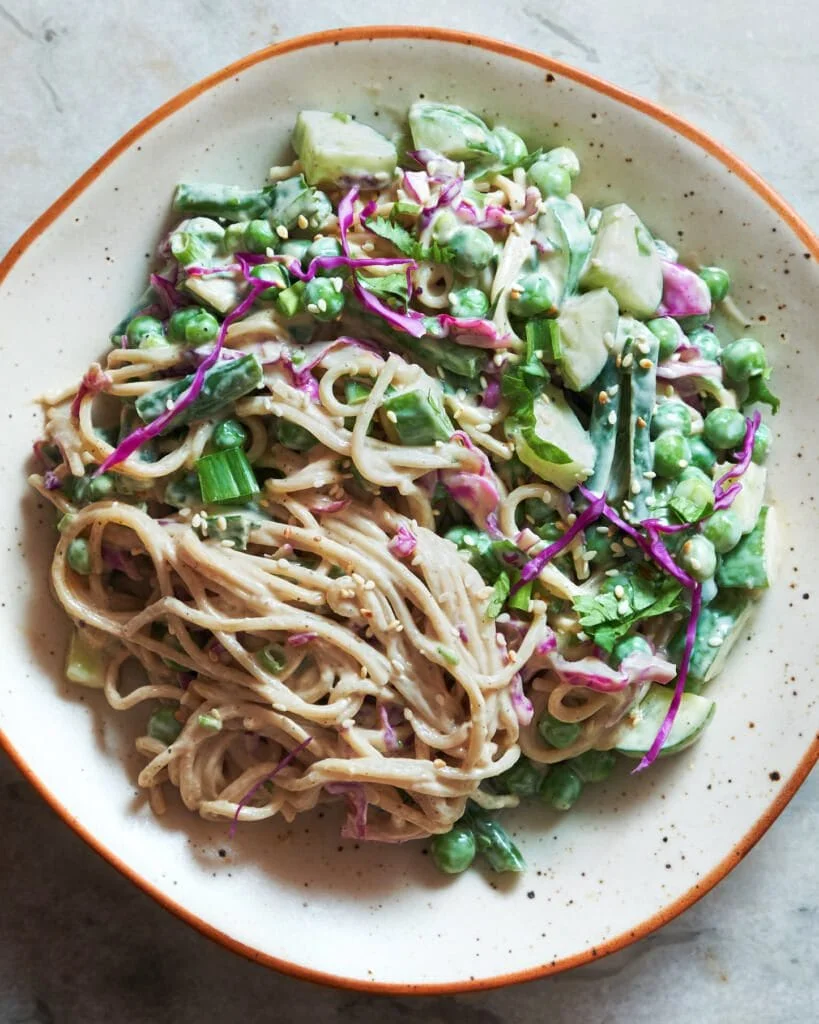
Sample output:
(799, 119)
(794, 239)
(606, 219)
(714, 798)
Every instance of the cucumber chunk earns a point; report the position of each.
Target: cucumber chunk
(748, 503)
(588, 326)
(750, 565)
(639, 729)
(85, 664)
(624, 260)
(452, 131)
(720, 625)
(334, 149)
(557, 447)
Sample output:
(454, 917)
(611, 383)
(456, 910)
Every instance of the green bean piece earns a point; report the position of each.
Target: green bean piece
(693, 498)
(561, 786)
(192, 326)
(496, 846)
(145, 332)
(707, 342)
(224, 383)
(724, 428)
(594, 765)
(163, 725)
(295, 249)
(698, 558)
(743, 359)
(454, 851)
(79, 556)
(322, 299)
(550, 178)
(415, 418)
(512, 148)
(228, 434)
(533, 295)
(522, 779)
(718, 281)
(226, 201)
(762, 443)
(555, 733)
(278, 277)
(468, 302)
(724, 530)
(671, 454)
(671, 415)
(702, 457)
(294, 436)
(259, 236)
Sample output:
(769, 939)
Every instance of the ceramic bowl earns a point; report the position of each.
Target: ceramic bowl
(634, 852)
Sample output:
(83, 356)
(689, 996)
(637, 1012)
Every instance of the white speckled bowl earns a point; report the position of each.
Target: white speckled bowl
(636, 851)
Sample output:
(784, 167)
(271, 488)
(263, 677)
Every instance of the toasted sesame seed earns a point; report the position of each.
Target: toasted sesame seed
(617, 550)
(302, 221)
(640, 421)
(391, 416)
(628, 359)
(312, 308)
(635, 486)
(515, 292)
(612, 418)
(646, 364)
(282, 231)
(603, 397)
(322, 305)
(619, 592)
(715, 641)
(630, 542)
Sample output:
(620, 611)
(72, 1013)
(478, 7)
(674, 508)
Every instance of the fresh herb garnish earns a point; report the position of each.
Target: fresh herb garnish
(407, 244)
(606, 618)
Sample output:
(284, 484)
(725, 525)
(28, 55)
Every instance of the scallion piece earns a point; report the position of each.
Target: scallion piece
(412, 417)
(272, 658)
(226, 476)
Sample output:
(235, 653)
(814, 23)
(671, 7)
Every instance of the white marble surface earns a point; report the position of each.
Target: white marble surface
(79, 943)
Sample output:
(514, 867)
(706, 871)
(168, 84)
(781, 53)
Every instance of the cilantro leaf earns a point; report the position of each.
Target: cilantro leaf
(525, 380)
(500, 592)
(391, 286)
(407, 244)
(607, 619)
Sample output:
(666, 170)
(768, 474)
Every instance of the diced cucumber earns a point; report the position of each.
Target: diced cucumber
(720, 625)
(412, 417)
(334, 149)
(565, 230)
(639, 729)
(748, 503)
(587, 325)
(624, 260)
(451, 131)
(750, 565)
(220, 293)
(557, 447)
(85, 664)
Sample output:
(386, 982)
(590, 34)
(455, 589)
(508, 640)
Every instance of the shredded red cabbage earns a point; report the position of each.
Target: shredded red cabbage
(647, 668)
(474, 331)
(492, 393)
(300, 639)
(416, 185)
(684, 292)
(94, 381)
(166, 290)
(548, 644)
(682, 369)
(153, 429)
(326, 506)
(500, 216)
(355, 827)
(51, 481)
(524, 709)
(463, 636)
(116, 558)
(403, 544)
(592, 673)
(476, 491)
(724, 496)
(587, 517)
(390, 737)
(285, 761)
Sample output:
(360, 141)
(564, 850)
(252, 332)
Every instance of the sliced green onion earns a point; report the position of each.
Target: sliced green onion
(212, 722)
(272, 658)
(521, 598)
(163, 725)
(450, 657)
(415, 418)
(226, 476)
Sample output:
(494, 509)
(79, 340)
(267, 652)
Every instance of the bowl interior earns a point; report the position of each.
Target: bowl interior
(297, 894)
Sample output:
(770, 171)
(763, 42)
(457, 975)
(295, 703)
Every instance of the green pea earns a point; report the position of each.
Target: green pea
(192, 326)
(260, 236)
(671, 415)
(693, 496)
(669, 334)
(561, 787)
(718, 281)
(468, 302)
(707, 342)
(743, 359)
(322, 299)
(228, 434)
(724, 428)
(562, 156)
(327, 246)
(701, 455)
(79, 556)
(550, 178)
(556, 733)
(594, 765)
(278, 277)
(698, 558)
(294, 436)
(635, 644)
(695, 473)
(723, 529)
(671, 454)
(473, 250)
(145, 329)
(454, 851)
(163, 725)
(234, 240)
(532, 296)
(522, 779)
(295, 248)
(762, 443)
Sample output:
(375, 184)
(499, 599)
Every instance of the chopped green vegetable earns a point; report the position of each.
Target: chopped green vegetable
(607, 617)
(226, 476)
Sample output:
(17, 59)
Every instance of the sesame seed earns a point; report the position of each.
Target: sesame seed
(612, 572)
(651, 501)
(228, 543)
(221, 523)
(312, 308)
(635, 486)
(602, 530)
(644, 346)
(619, 592)
(439, 763)
(623, 608)
(369, 585)
(439, 370)
(391, 416)
(282, 231)
(629, 542)
(646, 364)
(617, 550)
(497, 359)
(612, 418)
(439, 444)
(628, 504)
(363, 672)
(650, 474)
(613, 390)
(302, 221)
(322, 305)
(483, 381)
(640, 421)
(169, 404)
(628, 359)
(682, 463)
(367, 246)
(515, 292)
(603, 397)
(338, 283)
(715, 641)
(483, 428)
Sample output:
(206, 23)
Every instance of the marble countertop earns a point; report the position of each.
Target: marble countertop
(78, 942)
